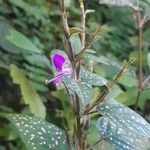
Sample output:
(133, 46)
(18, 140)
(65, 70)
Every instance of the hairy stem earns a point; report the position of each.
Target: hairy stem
(88, 44)
(76, 70)
(83, 36)
(82, 23)
(64, 21)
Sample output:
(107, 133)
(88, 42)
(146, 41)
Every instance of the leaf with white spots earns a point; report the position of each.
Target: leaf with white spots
(92, 78)
(83, 90)
(87, 91)
(101, 59)
(95, 58)
(67, 3)
(120, 137)
(37, 134)
(75, 43)
(121, 3)
(122, 126)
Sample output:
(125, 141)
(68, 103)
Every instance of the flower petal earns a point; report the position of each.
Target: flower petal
(56, 79)
(58, 61)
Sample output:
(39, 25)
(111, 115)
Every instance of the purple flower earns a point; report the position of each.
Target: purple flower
(60, 67)
(58, 61)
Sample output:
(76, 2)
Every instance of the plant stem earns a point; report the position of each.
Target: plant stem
(82, 23)
(83, 36)
(64, 21)
(88, 44)
(79, 132)
(104, 94)
(140, 73)
(76, 70)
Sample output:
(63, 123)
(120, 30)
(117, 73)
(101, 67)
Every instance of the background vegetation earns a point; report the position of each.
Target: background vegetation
(23, 70)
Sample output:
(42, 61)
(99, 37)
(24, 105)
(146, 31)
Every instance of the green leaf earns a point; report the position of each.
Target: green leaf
(89, 11)
(130, 3)
(93, 133)
(128, 97)
(39, 60)
(97, 59)
(145, 95)
(128, 80)
(35, 11)
(4, 43)
(123, 127)
(92, 78)
(148, 59)
(37, 134)
(67, 110)
(67, 3)
(115, 91)
(76, 43)
(40, 87)
(87, 91)
(75, 30)
(36, 70)
(19, 40)
(83, 90)
(101, 59)
(28, 91)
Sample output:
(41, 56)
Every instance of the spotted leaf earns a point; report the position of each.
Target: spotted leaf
(121, 138)
(83, 90)
(123, 127)
(130, 3)
(92, 78)
(95, 58)
(37, 134)
(101, 59)
(75, 43)
(87, 91)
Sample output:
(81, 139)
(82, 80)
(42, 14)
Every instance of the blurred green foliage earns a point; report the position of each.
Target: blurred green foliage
(30, 29)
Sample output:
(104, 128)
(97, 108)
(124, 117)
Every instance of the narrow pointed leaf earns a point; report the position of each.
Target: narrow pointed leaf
(21, 41)
(75, 30)
(39, 60)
